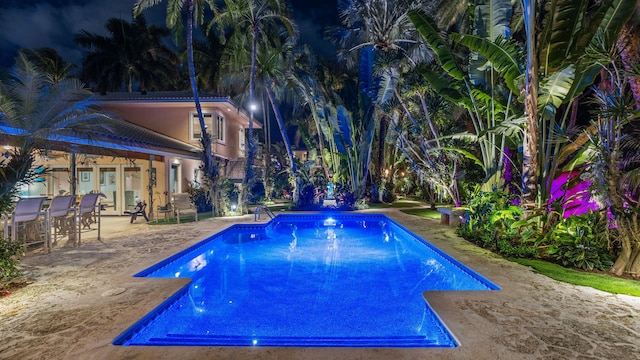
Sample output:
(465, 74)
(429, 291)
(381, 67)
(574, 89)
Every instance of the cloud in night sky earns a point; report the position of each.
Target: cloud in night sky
(35, 24)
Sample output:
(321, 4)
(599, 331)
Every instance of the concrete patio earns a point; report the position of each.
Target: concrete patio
(81, 298)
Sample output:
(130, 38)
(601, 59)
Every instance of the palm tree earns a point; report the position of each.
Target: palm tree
(613, 150)
(133, 52)
(381, 24)
(195, 16)
(49, 62)
(375, 30)
(274, 65)
(207, 55)
(34, 108)
(303, 78)
(554, 39)
(629, 45)
(253, 19)
(530, 146)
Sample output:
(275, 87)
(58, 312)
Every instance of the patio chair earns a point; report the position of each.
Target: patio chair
(182, 206)
(61, 216)
(88, 213)
(140, 209)
(30, 214)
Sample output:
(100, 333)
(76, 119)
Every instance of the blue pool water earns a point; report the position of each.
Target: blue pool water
(306, 280)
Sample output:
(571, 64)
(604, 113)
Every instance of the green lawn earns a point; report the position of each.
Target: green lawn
(604, 282)
(424, 212)
(280, 206)
(610, 284)
(398, 204)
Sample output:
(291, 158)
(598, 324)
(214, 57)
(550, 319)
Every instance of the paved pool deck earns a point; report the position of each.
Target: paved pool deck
(81, 298)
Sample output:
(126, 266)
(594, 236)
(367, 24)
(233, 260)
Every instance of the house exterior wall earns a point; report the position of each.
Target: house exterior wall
(129, 179)
(173, 119)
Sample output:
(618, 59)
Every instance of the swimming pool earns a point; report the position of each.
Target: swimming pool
(306, 280)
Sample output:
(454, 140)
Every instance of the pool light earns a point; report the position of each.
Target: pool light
(329, 222)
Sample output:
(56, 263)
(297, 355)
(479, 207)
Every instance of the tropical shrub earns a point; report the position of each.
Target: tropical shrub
(256, 191)
(307, 196)
(388, 196)
(9, 251)
(200, 198)
(348, 200)
(489, 218)
(491, 222)
(229, 195)
(581, 241)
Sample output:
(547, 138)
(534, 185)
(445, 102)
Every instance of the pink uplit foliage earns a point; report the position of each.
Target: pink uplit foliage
(575, 192)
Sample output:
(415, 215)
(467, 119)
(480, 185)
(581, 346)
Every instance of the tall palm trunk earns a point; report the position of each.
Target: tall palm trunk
(314, 114)
(530, 153)
(285, 139)
(208, 160)
(252, 90)
(248, 174)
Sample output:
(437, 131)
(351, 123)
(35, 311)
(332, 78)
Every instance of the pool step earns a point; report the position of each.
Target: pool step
(216, 340)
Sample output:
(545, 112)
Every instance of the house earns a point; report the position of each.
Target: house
(154, 151)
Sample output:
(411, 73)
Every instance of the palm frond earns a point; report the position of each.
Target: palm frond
(427, 29)
(554, 90)
(502, 54)
(565, 21)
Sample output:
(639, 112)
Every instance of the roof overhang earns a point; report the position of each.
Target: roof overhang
(111, 144)
(173, 99)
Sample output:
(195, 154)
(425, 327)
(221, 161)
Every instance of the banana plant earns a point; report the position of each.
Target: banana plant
(567, 27)
(487, 102)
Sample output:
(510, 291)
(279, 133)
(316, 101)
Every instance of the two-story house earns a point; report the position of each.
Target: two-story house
(155, 152)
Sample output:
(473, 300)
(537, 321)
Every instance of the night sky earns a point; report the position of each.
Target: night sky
(34, 24)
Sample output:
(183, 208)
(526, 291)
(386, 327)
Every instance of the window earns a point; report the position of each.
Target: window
(196, 133)
(214, 124)
(219, 127)
(241, 140)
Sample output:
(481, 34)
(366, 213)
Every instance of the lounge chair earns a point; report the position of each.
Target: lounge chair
(182, 206)
(88, 213)
(61, 216)
(29, 211)
(140, 209)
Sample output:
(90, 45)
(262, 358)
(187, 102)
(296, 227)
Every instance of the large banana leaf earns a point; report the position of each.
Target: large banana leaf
(564, 23)
(466, 154)
(443, 87)
(342, 124)
(486, 99)
(585, 75)
(615, 17)
(605, 26)
(492, 20)
(553, 91)
(608, 20)
(367, 81)
(338, 138)
(345, 125)
(502, 54)
(426, 27)
(386, 85)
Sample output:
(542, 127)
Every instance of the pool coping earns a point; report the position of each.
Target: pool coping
(65, 313)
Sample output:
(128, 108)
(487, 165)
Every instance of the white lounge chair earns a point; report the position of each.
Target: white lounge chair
(88, 213)
(182, 206)
(61, 216)
(29, 211)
